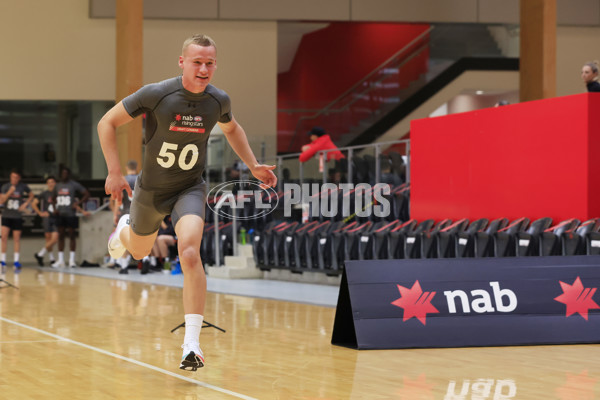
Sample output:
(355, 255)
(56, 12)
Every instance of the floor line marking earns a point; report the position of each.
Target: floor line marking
(131, 360)
(31, 341)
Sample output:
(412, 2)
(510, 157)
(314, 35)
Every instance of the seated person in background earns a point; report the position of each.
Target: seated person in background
(122, 208)
(160, 250)
(320, 141)
(387, 175)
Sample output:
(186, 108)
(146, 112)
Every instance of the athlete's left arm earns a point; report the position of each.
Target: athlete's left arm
(239, 143)
(80, 203)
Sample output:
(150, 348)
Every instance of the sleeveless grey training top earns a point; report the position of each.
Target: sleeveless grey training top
(178, 124)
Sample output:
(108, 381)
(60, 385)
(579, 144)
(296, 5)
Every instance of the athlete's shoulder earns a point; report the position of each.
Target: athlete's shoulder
(150, 95)
(224, 102)
(214, 91)
(160, 89)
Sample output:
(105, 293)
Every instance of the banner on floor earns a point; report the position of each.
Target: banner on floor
(392, 304)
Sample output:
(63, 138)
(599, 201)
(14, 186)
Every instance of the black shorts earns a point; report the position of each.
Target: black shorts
(49, 224)
(149, 208)
(15, 224)
(67, 221)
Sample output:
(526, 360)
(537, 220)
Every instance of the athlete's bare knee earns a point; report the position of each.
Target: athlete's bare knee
(189, 256)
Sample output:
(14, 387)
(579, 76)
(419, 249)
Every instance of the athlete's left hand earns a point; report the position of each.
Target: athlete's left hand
(265, 174)
(114, 186)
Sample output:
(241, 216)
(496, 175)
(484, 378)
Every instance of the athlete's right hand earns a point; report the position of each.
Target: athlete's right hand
(114, 186)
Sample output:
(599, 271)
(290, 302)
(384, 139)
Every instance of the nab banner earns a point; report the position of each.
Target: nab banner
(392, 304)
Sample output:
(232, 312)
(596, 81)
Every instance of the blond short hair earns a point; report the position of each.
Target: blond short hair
(593, 66)
(200, 40)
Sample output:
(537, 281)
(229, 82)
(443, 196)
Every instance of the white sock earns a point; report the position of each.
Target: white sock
(123, 262)
(16, 257)
(3, 257)
(51, 256)
(42, 252)
(71, 257)
(61, 257)
(153, 261)
(147, 258)
(193, 325)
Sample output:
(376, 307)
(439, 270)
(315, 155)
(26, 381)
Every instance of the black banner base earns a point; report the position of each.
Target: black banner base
(394, 304)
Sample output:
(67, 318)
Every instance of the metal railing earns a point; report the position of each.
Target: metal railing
(351, 152)
(364, 87)
(218, 206)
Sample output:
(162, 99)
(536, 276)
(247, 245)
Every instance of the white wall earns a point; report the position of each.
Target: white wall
(52, 50)
(574, 47)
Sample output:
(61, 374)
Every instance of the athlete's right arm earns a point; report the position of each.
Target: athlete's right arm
(107, 133)
(5, 196)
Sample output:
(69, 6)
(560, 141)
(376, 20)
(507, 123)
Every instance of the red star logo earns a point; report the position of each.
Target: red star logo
(577, 298)
(178, 117)
(416, 388)
(415, 303)
(577, 387)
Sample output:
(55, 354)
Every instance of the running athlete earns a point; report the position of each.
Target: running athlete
(69, 195)
(16, 196)
(180, 114)
(45, 206)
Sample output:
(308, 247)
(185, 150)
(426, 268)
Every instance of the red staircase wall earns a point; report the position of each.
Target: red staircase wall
(535, 159)
(330, 61)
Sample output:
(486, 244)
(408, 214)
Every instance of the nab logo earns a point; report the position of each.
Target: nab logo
(415, 303)
(481, 300)
(577, 298)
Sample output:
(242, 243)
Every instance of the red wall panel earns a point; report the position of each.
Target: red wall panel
(535, 159)
(330, 61)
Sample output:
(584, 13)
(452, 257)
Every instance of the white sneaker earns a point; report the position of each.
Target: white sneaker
(72, 265)
(58, 264)
(192, 357)
(115, 247)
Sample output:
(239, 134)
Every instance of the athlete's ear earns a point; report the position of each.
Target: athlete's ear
(181, 62)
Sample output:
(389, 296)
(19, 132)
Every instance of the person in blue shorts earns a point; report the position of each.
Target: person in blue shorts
(16, 197)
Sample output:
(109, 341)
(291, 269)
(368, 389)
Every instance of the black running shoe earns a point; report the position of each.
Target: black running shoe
(191, 361)
(145, 267)
(123, 271)
(39, 259)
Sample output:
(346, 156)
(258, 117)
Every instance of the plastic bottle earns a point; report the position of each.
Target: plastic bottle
(176, 267)
(243, 235)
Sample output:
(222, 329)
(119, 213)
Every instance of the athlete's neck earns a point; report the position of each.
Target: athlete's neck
(192, 87)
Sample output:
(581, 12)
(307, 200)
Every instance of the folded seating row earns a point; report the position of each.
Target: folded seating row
(325, 245)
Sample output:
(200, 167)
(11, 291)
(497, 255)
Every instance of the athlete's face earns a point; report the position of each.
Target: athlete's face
(51, 183)
(14, 178)
(65, 175)
(587, 74)
(198, 64)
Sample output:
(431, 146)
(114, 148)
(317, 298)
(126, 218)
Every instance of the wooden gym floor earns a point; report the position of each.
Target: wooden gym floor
(68, 336)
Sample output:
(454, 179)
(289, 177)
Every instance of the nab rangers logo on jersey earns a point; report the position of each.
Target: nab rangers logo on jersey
(187, 123)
